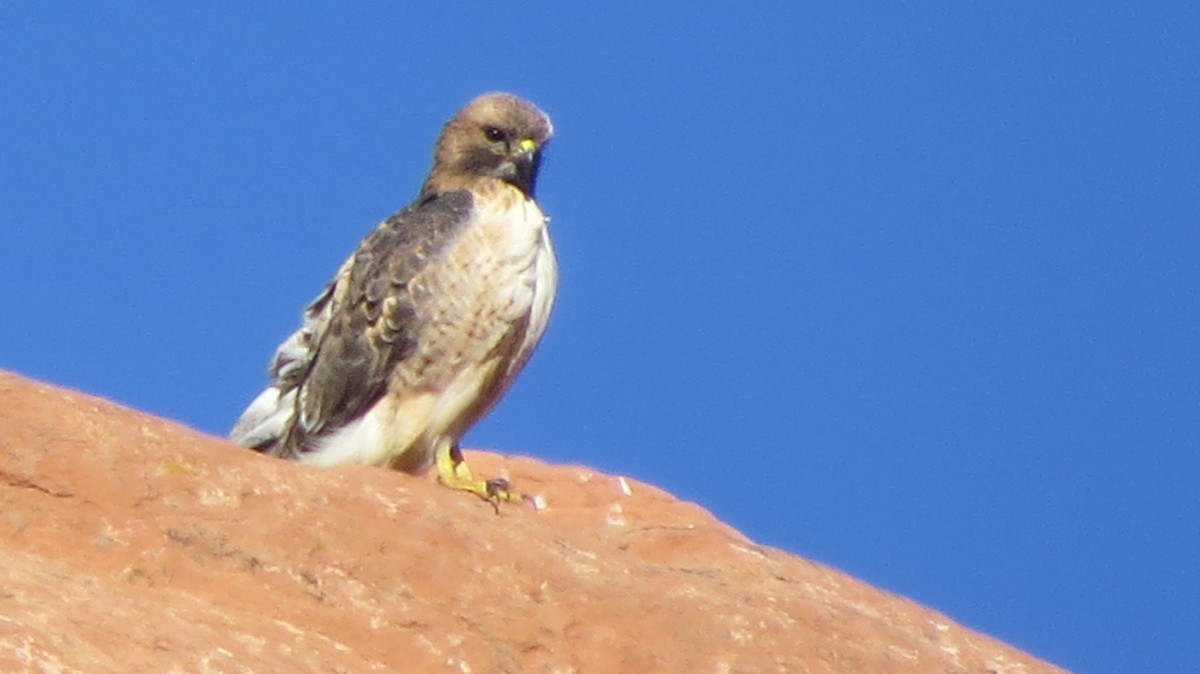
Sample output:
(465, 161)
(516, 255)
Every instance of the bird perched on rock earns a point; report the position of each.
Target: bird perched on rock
(428, 322)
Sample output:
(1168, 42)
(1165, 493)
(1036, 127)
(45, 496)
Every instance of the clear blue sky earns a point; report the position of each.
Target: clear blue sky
(908, 289)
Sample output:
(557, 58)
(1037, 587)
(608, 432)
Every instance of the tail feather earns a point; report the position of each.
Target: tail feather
(264, 423)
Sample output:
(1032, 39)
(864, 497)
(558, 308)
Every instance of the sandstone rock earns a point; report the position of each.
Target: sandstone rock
(133, 544)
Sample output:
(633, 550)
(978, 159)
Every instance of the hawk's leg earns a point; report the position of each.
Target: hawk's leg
(454, 473)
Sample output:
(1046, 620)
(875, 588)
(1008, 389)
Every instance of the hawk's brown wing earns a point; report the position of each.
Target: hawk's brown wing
(371, 323)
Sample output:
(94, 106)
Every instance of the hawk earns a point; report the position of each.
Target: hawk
(428, 322)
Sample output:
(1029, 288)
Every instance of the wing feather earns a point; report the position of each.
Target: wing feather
(337, 365)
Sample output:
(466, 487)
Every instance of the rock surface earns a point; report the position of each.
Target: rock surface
(133, 544)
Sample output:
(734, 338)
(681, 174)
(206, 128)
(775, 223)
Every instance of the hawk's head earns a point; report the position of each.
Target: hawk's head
(496, 135)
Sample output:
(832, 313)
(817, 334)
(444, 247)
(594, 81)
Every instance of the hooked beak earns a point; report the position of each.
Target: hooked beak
(522, 168)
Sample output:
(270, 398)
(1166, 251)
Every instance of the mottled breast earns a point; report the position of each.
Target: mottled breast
(487, 301)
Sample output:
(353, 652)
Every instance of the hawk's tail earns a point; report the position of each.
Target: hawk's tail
(264, 423)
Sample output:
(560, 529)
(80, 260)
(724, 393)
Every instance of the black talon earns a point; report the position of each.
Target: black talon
(497, 490)
(497, 487)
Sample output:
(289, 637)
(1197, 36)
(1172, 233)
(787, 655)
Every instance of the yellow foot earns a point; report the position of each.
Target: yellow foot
(454, 473)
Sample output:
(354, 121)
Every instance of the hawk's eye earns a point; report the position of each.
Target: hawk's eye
(493, 134)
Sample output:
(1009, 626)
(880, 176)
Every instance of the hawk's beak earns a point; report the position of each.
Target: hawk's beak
(526, 146)
(525, 160)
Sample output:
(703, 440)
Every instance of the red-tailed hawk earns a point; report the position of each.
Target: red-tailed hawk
(426, 325)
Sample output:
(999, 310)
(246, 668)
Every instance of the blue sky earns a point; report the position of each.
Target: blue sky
(909, 289)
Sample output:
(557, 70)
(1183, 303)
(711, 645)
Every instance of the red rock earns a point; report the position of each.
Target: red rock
(133, 544)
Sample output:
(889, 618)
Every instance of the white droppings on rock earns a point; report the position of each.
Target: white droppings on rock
(624, 485)
(616, 516)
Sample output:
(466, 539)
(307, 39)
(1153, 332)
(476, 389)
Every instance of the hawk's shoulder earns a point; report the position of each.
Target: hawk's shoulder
(403, 244)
